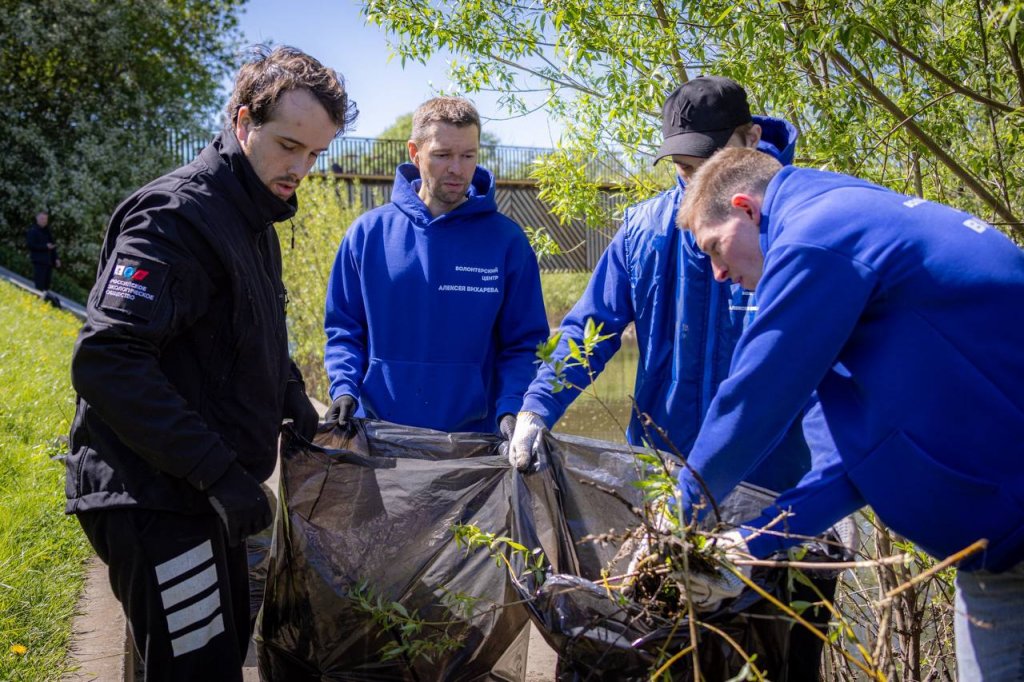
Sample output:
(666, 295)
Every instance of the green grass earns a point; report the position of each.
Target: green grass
(42, 551)
(561, 291)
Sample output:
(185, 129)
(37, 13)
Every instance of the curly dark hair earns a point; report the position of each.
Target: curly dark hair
(272, 72)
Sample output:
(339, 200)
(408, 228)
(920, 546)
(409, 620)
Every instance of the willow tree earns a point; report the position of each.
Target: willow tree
(924, 96)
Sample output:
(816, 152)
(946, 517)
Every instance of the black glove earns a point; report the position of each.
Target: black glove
(506, 425)
(240, 503)
(298, 408)
(340, 413)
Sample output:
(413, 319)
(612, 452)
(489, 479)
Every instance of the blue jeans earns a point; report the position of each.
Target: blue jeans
(989, 625)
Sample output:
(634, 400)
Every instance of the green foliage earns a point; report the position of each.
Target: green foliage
(42, 551)
(412, 637)
(401, 129)
(541, 242)
(91, 90)
(910, 633)
(323, 217)
(561, 291)
(579, 355)
(500, 548)
(922, 96)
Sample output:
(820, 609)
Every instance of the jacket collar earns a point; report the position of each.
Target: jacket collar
(260, 206)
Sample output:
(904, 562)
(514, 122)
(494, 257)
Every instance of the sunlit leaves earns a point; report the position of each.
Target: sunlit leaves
(608, 65)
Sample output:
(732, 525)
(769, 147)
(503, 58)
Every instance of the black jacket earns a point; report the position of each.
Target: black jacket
(182, 363)
(37, 237)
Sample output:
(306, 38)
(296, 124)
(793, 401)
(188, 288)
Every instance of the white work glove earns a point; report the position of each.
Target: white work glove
(660, 522)
(705, 590)
(708, 590)
(525, 439)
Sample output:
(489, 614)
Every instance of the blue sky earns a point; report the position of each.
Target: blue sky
(334, 32)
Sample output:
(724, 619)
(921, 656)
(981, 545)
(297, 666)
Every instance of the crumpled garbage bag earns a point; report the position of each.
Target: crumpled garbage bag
(370, 518)
(601, 637)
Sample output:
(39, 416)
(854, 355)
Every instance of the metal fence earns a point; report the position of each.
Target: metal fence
(371, 157)
(367, 167)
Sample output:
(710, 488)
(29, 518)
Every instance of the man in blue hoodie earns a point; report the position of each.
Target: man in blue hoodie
(905, 316)
(434, 307)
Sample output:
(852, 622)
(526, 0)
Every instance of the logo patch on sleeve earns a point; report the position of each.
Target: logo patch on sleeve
(134, 286)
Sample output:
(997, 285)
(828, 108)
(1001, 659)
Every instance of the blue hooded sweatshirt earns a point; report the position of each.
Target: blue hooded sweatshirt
(687, 325)
(908, 318)
(434, 322)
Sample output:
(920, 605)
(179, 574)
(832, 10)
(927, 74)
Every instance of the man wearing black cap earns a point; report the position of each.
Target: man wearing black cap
(652, 274)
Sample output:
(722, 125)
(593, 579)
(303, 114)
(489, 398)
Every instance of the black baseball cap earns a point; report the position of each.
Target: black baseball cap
(700, 116)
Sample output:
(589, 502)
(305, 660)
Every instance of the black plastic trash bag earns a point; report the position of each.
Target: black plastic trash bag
(380, 508)
(257, 548)
(381, 511)
(597, 637)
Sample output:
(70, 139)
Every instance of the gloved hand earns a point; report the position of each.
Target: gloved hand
(661, 522)
(705, 590)
(298, 408)
(525, 439)
(340, 413)
(506, 426)
(240, 503)
(708, 590)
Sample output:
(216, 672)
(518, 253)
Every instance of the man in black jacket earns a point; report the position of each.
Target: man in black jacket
(183, 375)
(42, 251)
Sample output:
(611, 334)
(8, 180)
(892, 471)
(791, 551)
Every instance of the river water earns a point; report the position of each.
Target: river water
(603, 411)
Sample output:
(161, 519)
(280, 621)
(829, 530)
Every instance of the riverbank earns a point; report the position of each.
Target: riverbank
(42, 551)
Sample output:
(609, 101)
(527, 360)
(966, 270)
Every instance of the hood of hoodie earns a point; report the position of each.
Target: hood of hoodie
(790, 188)
(479, 198)
(778, 138)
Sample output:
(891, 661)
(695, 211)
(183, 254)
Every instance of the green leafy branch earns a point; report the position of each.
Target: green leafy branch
(413, 636)
(469, 537)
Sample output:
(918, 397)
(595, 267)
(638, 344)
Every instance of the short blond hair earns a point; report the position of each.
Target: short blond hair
(728, 172)
(456, 111)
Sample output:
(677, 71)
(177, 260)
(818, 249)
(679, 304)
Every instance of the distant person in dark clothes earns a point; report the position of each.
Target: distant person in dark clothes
(42, 251)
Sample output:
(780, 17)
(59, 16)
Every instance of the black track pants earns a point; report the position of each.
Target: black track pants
(184, 591)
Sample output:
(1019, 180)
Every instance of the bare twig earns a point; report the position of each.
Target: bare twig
(945, 563)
